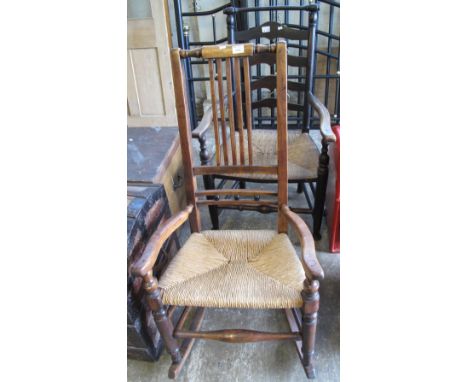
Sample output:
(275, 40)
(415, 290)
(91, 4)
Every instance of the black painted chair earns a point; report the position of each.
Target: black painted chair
(307, 165)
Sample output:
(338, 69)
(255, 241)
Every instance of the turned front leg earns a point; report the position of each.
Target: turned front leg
(311, 297)
(165, 327)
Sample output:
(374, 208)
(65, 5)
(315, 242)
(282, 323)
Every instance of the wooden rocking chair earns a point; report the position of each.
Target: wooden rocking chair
(256, 269)
(308, 166)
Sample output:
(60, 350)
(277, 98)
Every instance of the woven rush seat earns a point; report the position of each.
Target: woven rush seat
(303, 154)
(235, 269)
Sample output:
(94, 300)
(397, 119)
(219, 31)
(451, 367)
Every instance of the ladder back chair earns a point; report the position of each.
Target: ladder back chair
(307, 165)
(255, 269)
(299, 110)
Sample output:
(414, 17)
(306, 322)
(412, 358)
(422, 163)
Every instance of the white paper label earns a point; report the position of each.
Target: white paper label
(222, 46)
(280, 27)
(266, 29)
(236, 49)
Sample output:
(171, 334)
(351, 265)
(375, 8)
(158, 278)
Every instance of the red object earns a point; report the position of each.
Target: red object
(333, 194)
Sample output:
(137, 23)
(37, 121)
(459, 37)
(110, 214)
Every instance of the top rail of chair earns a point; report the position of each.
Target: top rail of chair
(308, 7)
(227, 50)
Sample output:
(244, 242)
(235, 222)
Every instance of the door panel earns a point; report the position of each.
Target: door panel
(150, 93)
(147, 82)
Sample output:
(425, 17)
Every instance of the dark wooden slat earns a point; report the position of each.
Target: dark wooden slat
(237, 335)
(214, 110)
(306, 8)
(240, 118)
(271, 30)
(295, 106)
(266, 82)
(248, 107)
(213, 170)
(271, 103)
(231, 111)
(269, 82)
(270, 59)
(221, 107)
(240, 192)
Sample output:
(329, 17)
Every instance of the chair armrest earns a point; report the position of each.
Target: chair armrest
(204, 124)
(207, 119)
(147, 260)
(310, 262)
(325, 128)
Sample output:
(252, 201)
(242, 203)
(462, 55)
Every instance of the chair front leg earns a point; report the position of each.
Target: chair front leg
(321, 190)
(208, 181)
(165, 327)
(311, 297)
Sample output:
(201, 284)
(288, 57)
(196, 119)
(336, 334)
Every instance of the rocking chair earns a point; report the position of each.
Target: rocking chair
(307, 165)
(256, 269)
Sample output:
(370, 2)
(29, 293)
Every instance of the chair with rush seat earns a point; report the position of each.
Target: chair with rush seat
(307, 164)
(255, 269)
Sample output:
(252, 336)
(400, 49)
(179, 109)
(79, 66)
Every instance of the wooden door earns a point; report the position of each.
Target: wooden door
(150, 93)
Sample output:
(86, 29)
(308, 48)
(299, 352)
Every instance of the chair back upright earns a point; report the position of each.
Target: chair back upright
(232, 129)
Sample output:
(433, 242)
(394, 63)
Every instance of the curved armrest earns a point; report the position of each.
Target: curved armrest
(147, 260)
(204, 124)
(325, 128)
(207, 120)
(310, 262)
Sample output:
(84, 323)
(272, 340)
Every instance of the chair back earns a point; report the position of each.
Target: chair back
(299, 64)
(232, 129)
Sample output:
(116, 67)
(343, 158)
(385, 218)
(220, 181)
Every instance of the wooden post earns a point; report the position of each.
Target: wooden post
(282, 126)
(309, 87)
(321, 190)
(185, 137)
(230, 21)
(311, 298)
(165, 327)
(208, 181)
